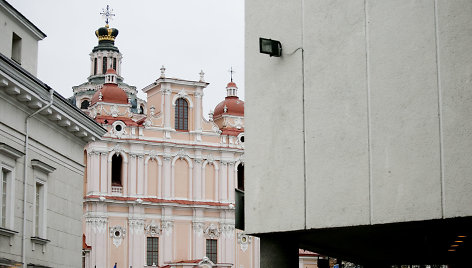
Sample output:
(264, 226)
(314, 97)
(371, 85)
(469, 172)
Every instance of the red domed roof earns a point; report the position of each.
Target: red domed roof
(232, 84)
(234, 106)
(111, 93)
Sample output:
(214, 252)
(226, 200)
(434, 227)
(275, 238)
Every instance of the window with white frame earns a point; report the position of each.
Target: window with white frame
(41, 171)
(152, 251)
(8, 157)
(5, 203)
(39, 213)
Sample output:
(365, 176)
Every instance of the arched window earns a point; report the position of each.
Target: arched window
(141, 109)
(241, 176)
(116, 164)
(181, 114)
(85, 104)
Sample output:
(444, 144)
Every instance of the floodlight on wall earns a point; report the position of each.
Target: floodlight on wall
(271, 47)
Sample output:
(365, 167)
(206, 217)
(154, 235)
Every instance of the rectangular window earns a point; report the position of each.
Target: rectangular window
(3, 200)
(105, 65)
(39, 216)
(95, 66)
(114, 64)
(211, 250)
(152, 251)
(16, 48)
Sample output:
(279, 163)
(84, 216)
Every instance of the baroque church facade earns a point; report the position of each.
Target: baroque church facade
(159, 188)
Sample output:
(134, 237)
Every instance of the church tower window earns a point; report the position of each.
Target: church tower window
(114, 64)
(116, 164)
(241, 177)
(181, 114)
(95, 66)
(85, 104)
(104, 67)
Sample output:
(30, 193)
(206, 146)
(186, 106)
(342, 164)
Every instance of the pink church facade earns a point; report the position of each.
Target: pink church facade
(160, 186)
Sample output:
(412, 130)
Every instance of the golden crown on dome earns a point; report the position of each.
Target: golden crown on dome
(107, 33)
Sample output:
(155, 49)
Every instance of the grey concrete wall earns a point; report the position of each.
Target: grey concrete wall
(29, 49)
(50, 144)
(274, 163)
(376, 127)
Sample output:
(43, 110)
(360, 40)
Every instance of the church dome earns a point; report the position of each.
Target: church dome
(110, 91)
(106, 39)
(232, 105)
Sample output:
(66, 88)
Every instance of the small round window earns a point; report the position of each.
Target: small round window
(241, 138)
(117, 233)
(118, 128)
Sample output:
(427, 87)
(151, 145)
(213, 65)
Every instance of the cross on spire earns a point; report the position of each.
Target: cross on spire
(231, 71)
(107, 14)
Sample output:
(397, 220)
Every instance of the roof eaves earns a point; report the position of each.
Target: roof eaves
(20, 17)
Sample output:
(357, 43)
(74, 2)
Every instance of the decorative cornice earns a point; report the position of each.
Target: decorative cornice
(41, 166)
(33, 94)
(9, 151)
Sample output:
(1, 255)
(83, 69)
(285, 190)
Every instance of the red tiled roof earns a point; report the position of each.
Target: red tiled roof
(231, 131)
(110, 119)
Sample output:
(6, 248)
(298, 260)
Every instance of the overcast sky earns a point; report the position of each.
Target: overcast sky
(185, 36)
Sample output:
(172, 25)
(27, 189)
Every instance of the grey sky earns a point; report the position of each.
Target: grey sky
(184, 35)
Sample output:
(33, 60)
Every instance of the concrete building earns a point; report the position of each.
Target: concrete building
(367, 139)
(42, 139)
(159, 188)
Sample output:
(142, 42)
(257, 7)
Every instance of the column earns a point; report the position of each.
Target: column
(109, 174)
(103, 173)
(136, 249)
(91, 65)
(140, 176)
(198, 109)
(166, 90)
(197, 177)
(198, 241)
(97, 238)
(231, 187)
(132, 172)
(124, 177)
(167, 225)
(95, 159)
(166, 180)
(89, 172)
(223, 181)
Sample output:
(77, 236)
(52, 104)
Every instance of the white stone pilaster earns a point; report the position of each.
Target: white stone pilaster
(132, 177)
(136, 248)
(197, 179)
(103, 173)
(231, 182)
(125, 177)
(167, 174)
(198, 241)
(140, 175)
(95, 163)
(89, 172)
(223, 181)
(166, 91)
(167, 225)
(198, 109)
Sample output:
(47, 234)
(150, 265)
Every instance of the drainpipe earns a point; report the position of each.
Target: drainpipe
(25, 174)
